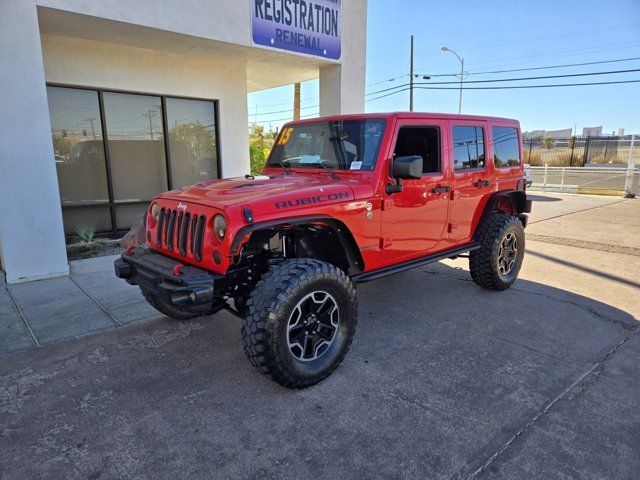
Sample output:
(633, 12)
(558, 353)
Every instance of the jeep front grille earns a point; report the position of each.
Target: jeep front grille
(181, 231)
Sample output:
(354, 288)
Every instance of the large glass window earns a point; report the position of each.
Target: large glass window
(192, 141)
(108, 188)
(136, 146)
(76, 131)
(506, 152)
(468, 147)
(345, 145)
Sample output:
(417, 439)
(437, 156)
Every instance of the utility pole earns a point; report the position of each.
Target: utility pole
(411, 78)
(93, 129)
(150, 114)
(296, 102)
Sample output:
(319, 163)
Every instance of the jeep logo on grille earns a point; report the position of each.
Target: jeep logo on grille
(182, 206)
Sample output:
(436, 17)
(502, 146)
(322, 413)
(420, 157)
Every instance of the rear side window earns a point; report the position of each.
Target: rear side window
(422, 141)
(468, 147)
(505, 147)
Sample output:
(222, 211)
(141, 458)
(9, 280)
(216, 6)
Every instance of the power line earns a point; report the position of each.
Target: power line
(583, 32)
(538, 68)
(498, 80)
(507, 87)
(587, 74)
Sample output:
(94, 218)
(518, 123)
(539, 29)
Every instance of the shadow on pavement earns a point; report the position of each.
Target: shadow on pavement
(440, 377)
(541, 198)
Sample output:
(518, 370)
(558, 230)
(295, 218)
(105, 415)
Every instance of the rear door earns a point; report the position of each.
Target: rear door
(471, 175)
(414, 221)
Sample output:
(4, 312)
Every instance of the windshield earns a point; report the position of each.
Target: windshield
(343, 145)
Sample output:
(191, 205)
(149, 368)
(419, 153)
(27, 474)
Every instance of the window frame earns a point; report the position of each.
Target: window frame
(440, 153)
(519, 144)
(484, 144)
(112, 204)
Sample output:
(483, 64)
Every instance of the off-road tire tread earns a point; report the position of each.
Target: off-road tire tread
(489, 235)
(260, 321)
(165, 309)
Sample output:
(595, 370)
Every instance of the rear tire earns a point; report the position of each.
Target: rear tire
(168, 310)
(495, 265)
(300, 322)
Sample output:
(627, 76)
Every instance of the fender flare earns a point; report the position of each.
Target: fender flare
(351, 249)
(520, 202)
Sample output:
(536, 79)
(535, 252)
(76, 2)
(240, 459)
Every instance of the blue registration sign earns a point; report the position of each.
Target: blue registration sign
(303, 26)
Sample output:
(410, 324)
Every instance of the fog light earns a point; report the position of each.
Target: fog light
(217, 257)
(192, 297)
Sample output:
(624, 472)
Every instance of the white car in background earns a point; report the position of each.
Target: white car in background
(528, 179)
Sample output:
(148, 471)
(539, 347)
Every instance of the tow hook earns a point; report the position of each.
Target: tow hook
(177, 269)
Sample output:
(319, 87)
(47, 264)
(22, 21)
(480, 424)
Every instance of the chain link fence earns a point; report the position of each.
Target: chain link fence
(579, 151)
(596, 165)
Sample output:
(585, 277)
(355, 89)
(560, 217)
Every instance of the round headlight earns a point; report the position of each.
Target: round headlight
(220, 226)
(155, 211)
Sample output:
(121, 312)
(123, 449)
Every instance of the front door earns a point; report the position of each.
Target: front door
(414, 220)
(471, 179)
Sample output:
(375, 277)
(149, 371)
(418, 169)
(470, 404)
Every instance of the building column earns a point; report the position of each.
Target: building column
(32, 242)
(342, 85)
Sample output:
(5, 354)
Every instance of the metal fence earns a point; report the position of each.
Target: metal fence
(578, 151)
(587, 180)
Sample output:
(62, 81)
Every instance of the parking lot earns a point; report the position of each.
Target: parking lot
(443, 380)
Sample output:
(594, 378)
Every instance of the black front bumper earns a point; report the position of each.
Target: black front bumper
(185, 287)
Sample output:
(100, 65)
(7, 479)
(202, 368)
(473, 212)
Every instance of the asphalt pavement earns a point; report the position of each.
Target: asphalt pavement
(443, 380)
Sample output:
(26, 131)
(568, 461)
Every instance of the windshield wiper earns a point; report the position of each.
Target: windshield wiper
(329, 169)
(285, 164)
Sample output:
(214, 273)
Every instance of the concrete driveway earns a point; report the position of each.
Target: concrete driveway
(443, 380)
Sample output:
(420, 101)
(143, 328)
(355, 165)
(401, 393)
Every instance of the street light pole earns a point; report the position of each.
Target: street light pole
(445, 49)
(411, 78)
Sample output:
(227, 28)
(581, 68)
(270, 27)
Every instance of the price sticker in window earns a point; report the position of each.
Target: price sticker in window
(285, 136)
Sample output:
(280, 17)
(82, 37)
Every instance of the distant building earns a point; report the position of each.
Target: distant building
(536, 133)
(621, 132)
(592, 131)
(566, 133)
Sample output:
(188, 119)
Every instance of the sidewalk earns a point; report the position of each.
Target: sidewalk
(91, 299)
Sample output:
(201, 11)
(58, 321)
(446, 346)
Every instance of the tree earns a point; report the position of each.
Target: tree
(548, 142)
(260, 144)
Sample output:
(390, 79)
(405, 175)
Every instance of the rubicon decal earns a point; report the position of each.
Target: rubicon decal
(296, 202)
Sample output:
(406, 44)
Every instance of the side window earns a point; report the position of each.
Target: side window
(423, 141)
(468, 147)
(505, 147)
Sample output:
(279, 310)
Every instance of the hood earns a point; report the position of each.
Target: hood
(264, 193)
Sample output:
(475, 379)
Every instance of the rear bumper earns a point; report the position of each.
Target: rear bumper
(188, 288)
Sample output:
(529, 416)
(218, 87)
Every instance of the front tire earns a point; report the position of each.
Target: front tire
(496, 264)
(300, 322)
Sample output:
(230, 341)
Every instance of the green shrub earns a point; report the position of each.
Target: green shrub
(86, 233)
(260, 144)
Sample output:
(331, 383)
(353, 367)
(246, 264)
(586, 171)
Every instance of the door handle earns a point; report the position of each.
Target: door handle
(482, 183)
(444, 189)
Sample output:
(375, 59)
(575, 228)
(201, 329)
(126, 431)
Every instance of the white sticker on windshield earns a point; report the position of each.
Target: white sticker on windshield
(355, 165)
(309, 159)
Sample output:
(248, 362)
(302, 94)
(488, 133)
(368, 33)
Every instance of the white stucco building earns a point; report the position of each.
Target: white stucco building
(106, 103)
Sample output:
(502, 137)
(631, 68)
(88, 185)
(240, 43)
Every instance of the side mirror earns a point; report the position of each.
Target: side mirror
(407, 167)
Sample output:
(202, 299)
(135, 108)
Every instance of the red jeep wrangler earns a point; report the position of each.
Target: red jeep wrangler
(342, 200)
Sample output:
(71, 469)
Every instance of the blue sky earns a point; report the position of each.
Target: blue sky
(490, 36)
